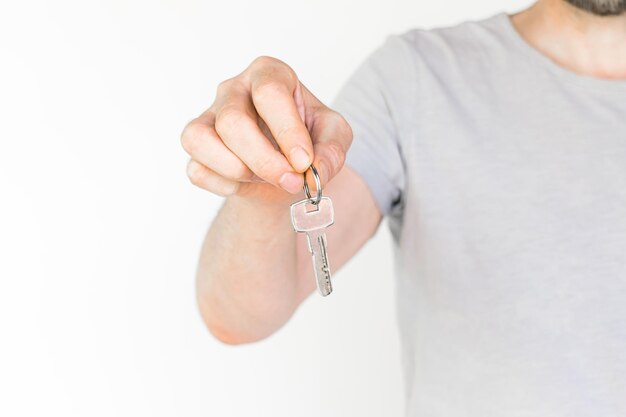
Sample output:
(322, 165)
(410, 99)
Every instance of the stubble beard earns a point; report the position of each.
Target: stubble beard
(601, 7)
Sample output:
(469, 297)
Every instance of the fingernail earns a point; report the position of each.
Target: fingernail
(291, 182)
(299, 158)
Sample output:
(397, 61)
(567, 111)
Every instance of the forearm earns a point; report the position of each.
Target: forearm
(246, 280)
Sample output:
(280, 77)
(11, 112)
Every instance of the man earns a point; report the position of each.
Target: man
(497, 150)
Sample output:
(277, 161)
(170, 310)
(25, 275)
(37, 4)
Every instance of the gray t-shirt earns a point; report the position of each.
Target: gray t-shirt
(503, 179)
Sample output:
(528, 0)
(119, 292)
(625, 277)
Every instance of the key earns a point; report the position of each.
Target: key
(313, 219)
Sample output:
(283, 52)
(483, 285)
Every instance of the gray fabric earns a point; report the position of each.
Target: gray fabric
(503, 179)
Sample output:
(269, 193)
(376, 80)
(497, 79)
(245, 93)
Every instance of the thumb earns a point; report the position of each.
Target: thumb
(330, 133)
(332, 136)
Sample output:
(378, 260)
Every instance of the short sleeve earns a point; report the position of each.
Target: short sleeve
(374, 101)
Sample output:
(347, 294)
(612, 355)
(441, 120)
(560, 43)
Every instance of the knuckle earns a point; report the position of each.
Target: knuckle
(227, 189)
(265, 90)
(193, 136)
(195, 173)
(229, 118)
(224, 86)
(269, 70)
(264, 166)
(263, 61)
(285, 131)
(340, 124)
(204, 178)
(344, 128)
(336, 155)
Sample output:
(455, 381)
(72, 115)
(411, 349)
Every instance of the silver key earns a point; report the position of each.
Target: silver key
(313, 219)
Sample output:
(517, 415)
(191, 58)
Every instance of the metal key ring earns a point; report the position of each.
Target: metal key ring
(318, 185)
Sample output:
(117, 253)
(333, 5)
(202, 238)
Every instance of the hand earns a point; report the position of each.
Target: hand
(264, 130)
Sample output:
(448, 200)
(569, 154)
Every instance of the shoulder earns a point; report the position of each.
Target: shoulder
(476, 44)
(469, 37)
(420, 67)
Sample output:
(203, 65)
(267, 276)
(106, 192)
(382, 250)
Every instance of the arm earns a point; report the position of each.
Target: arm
(254, 269)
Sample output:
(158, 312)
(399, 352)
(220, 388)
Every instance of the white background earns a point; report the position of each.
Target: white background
(100, 230)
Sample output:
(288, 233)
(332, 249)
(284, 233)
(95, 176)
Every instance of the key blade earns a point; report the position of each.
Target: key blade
(321, 268)
(306, 217)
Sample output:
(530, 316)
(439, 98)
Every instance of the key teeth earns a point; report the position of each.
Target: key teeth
(327, 287)
(326, 291)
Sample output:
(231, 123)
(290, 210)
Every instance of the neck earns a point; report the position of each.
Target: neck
(575, 39)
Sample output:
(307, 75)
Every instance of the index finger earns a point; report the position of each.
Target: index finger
(236, 125)
(278, 99)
